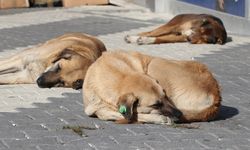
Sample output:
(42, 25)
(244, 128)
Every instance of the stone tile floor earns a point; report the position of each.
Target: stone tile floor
(33, 118)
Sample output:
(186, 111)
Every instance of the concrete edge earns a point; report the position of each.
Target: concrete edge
(128, 4)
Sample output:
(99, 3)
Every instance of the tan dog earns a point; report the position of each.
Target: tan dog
(60, 62)
(153, 90)
(194, 28)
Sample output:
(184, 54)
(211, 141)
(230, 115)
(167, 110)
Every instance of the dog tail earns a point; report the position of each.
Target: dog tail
(207, 114)
(211, 95)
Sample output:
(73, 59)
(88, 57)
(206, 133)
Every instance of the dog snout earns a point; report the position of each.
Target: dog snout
(168, 109)
(177, 113)
(40, 82)
(43, 82)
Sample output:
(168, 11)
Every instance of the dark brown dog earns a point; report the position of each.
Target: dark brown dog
(194, 28)
(59, 62)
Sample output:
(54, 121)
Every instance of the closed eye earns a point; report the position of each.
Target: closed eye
(58, 68)
(54, 68)
(157, 105)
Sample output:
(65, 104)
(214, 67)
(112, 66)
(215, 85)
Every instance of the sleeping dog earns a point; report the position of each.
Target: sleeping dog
(132, 87)
(193, 28)
(59, 62)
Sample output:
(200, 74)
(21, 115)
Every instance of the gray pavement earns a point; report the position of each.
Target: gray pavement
(33, 119)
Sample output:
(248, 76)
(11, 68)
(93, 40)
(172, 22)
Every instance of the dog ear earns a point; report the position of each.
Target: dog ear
(127, 105)
(65, 54)
(127, 99)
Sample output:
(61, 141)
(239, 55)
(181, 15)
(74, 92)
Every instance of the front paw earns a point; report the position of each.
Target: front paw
(145, 40)
(131, 38)
(127, 39)
(167, 120)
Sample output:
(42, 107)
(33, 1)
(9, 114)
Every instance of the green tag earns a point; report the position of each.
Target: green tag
(122, 109)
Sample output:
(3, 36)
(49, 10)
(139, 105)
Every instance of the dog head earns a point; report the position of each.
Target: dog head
(67, 70)
(147, 98)
(210, 30)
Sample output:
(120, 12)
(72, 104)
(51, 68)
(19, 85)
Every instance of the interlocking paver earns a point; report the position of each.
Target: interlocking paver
(33, 118)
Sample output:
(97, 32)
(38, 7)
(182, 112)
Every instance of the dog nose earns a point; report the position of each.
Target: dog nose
(39, 81)
(177, 113)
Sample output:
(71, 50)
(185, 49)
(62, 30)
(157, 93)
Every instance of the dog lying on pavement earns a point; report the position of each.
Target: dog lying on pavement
(150, 89)
(193, 28)
(60, 62)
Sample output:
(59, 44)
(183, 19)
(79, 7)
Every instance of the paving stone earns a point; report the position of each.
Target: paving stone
(33, 118)
(31, 142)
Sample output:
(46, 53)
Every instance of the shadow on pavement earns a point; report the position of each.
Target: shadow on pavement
(227, 112)
(229, 39)
(231, 69)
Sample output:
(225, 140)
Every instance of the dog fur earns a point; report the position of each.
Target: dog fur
(155, 90)
(193, 28)
(60, 62)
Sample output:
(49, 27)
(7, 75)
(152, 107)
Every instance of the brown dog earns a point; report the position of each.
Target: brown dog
(194, 28)
(60, 62)
(152, 89)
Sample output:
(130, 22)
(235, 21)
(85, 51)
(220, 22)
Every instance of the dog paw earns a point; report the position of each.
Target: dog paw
(131, 38)
(164, 120)
(167, 120)
(145, 40)
(127, 39)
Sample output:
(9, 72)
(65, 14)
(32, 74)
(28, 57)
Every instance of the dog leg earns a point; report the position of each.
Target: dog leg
(11, 71)
(154, 118)
(141, 37)
(106, 113)
(95, 107)
(160, 31)
(140, 40)
(149, 37)
(10, 65)
(20, 77)
(145, 40)
(131, 38)
(172, 38)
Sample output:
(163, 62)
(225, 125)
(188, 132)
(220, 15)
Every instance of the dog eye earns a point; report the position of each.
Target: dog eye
(157, 105)
(138, 104)
(58, 68)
